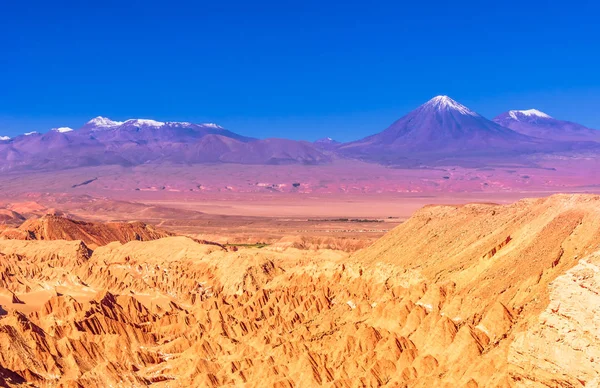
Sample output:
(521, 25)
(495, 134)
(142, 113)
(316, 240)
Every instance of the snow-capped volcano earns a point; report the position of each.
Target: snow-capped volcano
(4, 138)
(440, 129)
(527, 114)
(103, 122)
(533, 122)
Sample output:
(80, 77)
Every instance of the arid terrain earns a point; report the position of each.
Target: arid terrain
(476, 295)
(299, 194)
(431, 254)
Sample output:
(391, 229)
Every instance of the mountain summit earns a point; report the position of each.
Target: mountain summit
(102, 122)
(533, 122)
(527, 115)
(440, 129)
(445, 103)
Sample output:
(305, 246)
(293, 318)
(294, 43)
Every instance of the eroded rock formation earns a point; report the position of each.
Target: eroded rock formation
(458, 296)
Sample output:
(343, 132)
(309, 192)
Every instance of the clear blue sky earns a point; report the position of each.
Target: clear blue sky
(302, 69)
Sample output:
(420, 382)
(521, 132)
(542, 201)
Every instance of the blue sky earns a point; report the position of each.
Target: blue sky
(303, 70)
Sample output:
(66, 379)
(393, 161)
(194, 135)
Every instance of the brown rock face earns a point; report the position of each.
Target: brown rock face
(52, 227)
(458, 296)
(9, 217)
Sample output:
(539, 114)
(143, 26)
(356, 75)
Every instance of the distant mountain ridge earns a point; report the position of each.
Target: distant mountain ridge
(102, 141)
(144, 129)
(533, 122)
(440, 132)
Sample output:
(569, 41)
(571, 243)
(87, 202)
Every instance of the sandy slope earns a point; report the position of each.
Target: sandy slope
(474, 295)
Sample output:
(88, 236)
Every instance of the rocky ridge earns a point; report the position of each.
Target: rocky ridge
(93, 234)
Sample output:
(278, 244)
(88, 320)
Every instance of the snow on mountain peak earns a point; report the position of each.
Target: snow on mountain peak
(30, 133)
(444, 103)
(529, 113)
(145, 122)
(103, 122)
(212, 125)
(178, 123)
(3, 138)
(62, 129)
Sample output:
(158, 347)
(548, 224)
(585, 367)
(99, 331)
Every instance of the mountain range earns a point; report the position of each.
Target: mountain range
(439, 132)
(445, 132)
(102, 141)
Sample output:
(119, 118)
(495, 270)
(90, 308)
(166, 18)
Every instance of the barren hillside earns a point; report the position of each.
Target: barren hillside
(51, 227)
